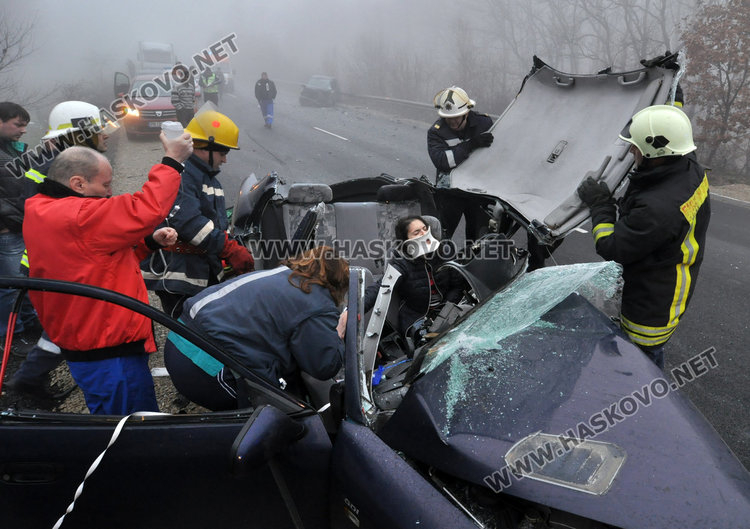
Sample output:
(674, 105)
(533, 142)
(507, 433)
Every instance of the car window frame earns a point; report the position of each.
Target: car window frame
(255, 384)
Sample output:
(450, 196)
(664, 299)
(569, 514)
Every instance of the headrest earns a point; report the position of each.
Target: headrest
(395, 193)
(309, 193)
(435, 226)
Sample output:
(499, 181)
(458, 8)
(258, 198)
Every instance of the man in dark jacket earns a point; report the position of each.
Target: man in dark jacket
(450, 141)
(14, 188)
(660, 235)
(200, 218)
(265, 93)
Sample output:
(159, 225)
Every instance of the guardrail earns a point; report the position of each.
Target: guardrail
(401, 107)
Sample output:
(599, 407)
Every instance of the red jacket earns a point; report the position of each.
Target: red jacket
(96, 241)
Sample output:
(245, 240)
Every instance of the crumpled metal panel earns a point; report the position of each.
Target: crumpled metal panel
(559, 127)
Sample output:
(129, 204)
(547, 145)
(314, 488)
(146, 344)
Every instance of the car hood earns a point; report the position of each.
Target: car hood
(569, 124)
(159, 103)
(538, 362)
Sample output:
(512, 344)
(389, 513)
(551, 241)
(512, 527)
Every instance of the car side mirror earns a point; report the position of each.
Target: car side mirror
(267, 432)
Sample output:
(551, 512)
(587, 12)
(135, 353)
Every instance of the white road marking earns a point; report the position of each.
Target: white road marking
(331, 133)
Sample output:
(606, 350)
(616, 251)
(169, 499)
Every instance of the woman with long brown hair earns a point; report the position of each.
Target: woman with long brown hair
(276, 322)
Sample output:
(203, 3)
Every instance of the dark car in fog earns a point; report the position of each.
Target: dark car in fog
(320, 90)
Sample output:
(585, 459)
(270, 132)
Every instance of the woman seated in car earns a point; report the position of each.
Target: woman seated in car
(276, 322)
(423, 289)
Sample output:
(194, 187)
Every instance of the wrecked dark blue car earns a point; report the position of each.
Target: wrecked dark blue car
(524, 406)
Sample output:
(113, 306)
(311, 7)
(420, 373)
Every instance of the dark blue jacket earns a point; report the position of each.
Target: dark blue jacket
(200, 218)
(269, 325)
(413, 288)
(448, 148)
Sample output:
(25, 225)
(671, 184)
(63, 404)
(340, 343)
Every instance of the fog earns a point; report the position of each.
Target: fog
(77, 41)
(386, 47)
(402, 49)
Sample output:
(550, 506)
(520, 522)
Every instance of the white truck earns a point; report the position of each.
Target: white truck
(152, 57)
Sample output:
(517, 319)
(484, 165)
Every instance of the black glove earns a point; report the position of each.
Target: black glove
(592, 192)
(483, 140)
(668, 61)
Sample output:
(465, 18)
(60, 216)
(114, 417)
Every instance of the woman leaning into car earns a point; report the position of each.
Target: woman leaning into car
(276, 322)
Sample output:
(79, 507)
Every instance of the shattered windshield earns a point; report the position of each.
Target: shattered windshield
(522, 304)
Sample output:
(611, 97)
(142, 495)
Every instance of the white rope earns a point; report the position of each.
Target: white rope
(98, 460)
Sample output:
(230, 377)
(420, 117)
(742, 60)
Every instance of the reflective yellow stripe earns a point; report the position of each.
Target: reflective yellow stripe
(25, 259)
(677, 104)
(604, 229)
(92, 120)
(36, 176)
(689, 249)
(645, 335)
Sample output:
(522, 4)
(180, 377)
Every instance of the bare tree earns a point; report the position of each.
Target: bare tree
(15, 45)
(719, 71)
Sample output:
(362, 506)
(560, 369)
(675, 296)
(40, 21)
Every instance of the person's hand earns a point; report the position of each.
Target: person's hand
(238, 257)
(668, 60)
(592, 192)
(165, 236)
(179, 149)
(341, 327)
(483, 140)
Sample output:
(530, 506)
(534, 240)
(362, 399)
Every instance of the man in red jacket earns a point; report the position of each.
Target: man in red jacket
(75, 230)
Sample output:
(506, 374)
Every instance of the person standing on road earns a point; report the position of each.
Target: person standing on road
(75, 230)
(450, 141)
(14, 188)
(265, 93)
(71, 123)
(183, 94)
(200, 218)
(210, 83)
(659, 236)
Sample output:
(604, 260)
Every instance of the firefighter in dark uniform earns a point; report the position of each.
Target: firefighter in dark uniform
(200, 218)
(660, 235)
(450, 141)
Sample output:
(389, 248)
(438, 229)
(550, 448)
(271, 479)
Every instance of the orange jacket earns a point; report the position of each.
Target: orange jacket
(96, 241)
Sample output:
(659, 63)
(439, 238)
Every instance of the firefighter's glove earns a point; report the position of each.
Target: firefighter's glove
(483, 140)
(593, 193)
(668, 61)
(238, 257)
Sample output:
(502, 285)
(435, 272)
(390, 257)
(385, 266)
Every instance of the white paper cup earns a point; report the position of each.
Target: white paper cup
(172, 129)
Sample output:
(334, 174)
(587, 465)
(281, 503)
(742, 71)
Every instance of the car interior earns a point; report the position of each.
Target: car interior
(348, 216)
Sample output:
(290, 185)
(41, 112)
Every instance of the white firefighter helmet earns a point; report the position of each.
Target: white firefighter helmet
(73, 116)
(661, 130)
(452, 102)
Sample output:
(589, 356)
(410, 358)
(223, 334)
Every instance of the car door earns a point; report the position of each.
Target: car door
(371, 485)
(263, 466)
